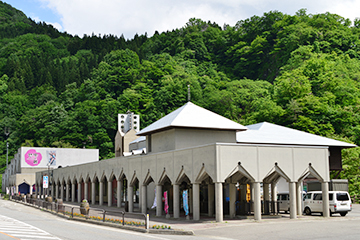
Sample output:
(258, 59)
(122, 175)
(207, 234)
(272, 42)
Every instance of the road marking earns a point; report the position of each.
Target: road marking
(22, 231)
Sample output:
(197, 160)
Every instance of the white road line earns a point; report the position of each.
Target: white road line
(21, 230)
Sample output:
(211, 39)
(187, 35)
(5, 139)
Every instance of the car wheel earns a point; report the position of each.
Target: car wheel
(330, 213)
(343, 214)
(307, 211)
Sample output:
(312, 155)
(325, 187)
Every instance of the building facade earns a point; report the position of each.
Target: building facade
(19, 177)
(199, 163)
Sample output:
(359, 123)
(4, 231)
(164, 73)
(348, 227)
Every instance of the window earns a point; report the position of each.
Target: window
(330, 196)
(342, 196)
(317, 196)
(307, 196)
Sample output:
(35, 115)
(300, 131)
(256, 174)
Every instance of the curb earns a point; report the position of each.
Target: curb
(141, 230)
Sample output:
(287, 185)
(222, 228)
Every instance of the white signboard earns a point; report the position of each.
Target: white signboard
(45, 181)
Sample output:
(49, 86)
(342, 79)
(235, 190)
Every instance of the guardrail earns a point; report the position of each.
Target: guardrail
(94, 214)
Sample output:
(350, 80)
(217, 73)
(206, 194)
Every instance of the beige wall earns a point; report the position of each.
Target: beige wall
(217, 160)
(180, 138)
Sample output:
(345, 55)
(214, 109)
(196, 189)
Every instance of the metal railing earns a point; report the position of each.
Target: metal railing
(94, 214)
(247, 208)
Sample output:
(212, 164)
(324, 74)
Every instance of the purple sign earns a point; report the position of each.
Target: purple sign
(32, 157)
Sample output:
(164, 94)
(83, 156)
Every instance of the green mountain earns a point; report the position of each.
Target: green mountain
(300, 71)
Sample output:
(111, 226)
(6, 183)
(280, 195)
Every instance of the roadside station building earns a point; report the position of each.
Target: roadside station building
(209, 161)
(19, 177)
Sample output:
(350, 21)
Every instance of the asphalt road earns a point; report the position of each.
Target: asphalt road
(36, 224)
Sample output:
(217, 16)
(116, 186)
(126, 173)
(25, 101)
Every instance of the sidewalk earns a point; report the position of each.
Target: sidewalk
(182, 224)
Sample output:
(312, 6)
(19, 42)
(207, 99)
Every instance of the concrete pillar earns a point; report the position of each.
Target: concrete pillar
(196, 201)
(257, 201)
(86, 191)
(109, 193)
(211, 199)
(219, 202)
(73, 188)
(176, 201)
(273, 197)
(143, 196)
(67, 192)
(158, 200)
(101, 193)
(131, 198)
(79, 193)
(93, 192)
(299, 196)
(62, 191)
(56, 191)
(190, 201)
(118, 193)
(232, 196)
(292, 195)
(325, 198)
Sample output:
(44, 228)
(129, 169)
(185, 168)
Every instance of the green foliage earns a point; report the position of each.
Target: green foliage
(300, 71)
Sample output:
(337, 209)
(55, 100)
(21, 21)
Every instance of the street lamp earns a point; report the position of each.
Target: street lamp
(7, 133)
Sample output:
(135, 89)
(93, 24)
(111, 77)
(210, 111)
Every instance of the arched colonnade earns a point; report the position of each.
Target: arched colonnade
(218, 178)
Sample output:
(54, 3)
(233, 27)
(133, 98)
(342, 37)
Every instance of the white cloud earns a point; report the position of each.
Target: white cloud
(139, 16)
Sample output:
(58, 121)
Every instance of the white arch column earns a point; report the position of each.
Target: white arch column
(143, 196)
(257, 201)
(62, 190)
(232, 196)
(67, 192)
(273, 197)
(79, 193)
(109, 193)
(219, 202)
(158, 200)
(101, 193)
(93, 192)
(196, 201)
(73, 188)
(176, 202)
(131, 198)
(56, 191)
(299, 197)
(292, 195)
(86, 190)
(325, 198)
(118, 192)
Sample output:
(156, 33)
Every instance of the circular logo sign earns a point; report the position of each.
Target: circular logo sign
(32, 157)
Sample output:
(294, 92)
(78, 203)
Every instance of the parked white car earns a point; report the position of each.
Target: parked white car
(339, 202)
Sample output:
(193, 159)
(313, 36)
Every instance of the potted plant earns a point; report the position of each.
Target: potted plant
(84, 207)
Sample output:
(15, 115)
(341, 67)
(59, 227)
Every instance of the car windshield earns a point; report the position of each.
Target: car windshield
(342, 196)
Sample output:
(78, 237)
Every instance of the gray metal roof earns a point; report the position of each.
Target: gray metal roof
(139, 139)
(192, 116)
(268, 133)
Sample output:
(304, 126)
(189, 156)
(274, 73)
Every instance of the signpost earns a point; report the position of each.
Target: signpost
(45, 181)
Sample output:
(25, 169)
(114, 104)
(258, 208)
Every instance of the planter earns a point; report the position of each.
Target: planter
(84, 208)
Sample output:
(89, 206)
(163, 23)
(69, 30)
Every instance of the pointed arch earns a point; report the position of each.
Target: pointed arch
(148, 179)
(311, 170)
(274, 175)
(240, 174)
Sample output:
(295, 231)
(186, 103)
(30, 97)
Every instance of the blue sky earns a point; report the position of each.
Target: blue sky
(129, 17)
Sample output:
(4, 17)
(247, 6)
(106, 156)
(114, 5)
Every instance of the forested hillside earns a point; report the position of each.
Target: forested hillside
(301, 71)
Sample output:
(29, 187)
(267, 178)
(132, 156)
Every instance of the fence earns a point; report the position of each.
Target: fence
(267, 207)
(94, 214)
